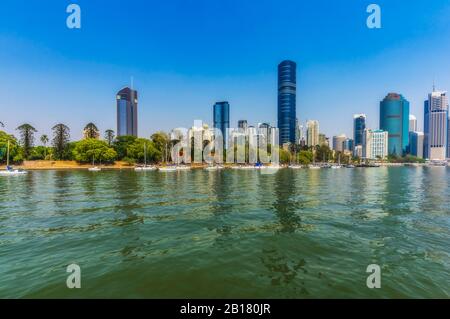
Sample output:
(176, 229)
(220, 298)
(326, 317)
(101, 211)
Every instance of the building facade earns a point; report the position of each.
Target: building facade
(412, 123)
(359, 125)
(375, 144)
(436, 126)
(394, 119)
(221, 119)
(127, 112)
(287, 95)
(339, 142)
(312, 133)
(416, 140)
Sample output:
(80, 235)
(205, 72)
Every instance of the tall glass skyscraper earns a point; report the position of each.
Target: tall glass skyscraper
(436, 126)
(359, 125)
(287, 93)
(127, 109)
(221, 119)
(394, 118)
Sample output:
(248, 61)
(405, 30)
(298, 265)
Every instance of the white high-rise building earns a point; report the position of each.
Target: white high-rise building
(375, 144)
(412, 123)
(312, 133)
(436, 126)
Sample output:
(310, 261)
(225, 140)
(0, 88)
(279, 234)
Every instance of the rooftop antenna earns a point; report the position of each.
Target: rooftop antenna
(434, 86)
(132, 82)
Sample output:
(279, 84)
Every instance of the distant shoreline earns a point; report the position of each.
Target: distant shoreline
(73, 165)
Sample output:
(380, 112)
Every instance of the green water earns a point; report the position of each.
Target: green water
(226, 234)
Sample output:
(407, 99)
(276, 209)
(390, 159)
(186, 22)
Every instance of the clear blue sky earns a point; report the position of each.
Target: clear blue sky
(187, 54)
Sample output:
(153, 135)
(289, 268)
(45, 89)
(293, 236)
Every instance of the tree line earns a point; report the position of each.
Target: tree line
(91, 148)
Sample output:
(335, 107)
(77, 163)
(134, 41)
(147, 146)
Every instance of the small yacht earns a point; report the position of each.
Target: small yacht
(213, 168)
(182, 167)
(145, 167)
(167, 169)
(9, 171)
(94, 168)
(314, 166)
(295, 166)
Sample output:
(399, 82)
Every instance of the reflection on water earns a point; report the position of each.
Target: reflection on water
(292, 234)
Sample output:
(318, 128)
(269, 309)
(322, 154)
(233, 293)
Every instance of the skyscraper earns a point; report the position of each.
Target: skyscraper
(127, 112)
(394, 118)
(243, 124)
(375, 144)
(221, 119)
(359, 125)
(338, 142)
(287, 88)
(412, 123)
(312, 133)
(436, 126)
(416, 143)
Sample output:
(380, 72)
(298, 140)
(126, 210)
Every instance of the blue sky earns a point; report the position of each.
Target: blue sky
(186, 54)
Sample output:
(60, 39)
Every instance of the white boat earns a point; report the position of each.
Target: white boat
(314, 167)
(9, 171)
(183, 168)
(12, 172)
(145, 167)
(213, 168)
(270, 167)
(167, 169)
(295, 166)
(336, 166)
(94, 169)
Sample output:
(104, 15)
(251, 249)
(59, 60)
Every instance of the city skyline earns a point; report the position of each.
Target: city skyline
(85, 76)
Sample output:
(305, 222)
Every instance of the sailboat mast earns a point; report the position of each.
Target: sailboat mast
(7, 156)
(145, 154)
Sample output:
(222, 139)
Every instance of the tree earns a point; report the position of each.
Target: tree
(121, 145)
(26, 138)
(15, 152)
(91, 131)
(92, 149)
(135, 151)
(109, 136)
(161, 141)
(2, 125)
(61, 137)
(44, 140)
(305, 157)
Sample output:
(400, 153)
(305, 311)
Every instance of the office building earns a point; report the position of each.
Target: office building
(221, 119)
(287, 88)
(359, 125)
(394, 119)
(436, 126)
(412, 123)
(375, 144)
(338, 142)
(312, 133)
(416, 140)
(127, 112)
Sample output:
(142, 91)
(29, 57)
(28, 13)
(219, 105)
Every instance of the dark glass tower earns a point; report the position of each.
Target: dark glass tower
(287, 93)
(222, 119)
(127, 120)
(394, 118)
(359, 125)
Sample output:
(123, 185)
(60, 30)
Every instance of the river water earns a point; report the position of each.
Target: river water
(226, 234)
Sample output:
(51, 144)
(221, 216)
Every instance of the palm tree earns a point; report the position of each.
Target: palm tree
(2, 125)
(27, 138)
(109, 136)
(44, 140)
(91, 131)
